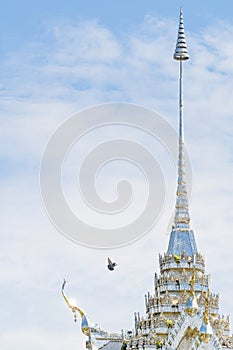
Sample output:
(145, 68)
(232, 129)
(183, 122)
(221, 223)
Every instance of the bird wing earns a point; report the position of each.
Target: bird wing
(109, 262)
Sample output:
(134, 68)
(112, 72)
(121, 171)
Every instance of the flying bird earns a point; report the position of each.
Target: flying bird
(111, 265)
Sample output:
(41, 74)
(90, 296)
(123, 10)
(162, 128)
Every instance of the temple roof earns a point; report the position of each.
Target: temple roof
(112, 345)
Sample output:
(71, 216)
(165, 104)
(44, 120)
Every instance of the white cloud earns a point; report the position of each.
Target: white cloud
(25, 338)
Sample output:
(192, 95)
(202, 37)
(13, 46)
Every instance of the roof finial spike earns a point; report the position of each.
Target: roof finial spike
(182, 218)
(182, 237)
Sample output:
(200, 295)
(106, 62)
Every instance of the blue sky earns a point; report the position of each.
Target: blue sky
(58, 57)
(21, 21)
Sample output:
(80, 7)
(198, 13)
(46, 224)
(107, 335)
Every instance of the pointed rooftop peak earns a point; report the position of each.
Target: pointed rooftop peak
(182, 218)
(181, 51)
(182, 238)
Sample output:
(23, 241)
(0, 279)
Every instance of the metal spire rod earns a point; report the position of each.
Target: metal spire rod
(181, 136)
(182, 218)
(181, 54)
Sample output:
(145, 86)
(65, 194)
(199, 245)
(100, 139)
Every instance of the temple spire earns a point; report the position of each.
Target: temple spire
(182, 237)
(182, 218)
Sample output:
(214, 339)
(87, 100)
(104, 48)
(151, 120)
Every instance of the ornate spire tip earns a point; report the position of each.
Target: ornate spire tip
(181, 51)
